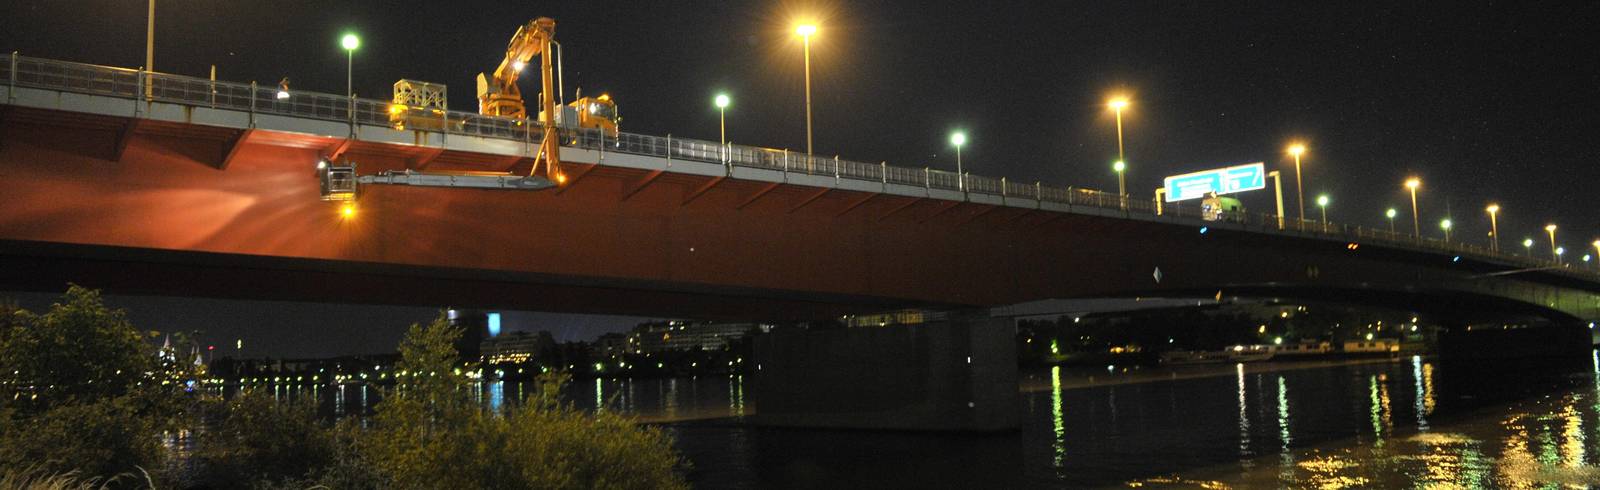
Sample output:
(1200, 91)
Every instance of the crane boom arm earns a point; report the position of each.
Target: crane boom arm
(499, 96)
(529, 41)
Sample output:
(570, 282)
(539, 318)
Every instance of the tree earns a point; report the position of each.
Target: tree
(429, 431)
(85, 391)
(255, 438)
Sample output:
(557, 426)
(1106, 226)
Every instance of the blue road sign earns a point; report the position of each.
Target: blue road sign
(1228, 180)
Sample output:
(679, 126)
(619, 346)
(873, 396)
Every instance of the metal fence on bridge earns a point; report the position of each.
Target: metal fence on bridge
(139, 87)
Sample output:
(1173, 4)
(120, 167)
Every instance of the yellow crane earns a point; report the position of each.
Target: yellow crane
(498, 94)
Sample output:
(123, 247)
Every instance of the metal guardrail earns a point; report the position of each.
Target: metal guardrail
(20, 71)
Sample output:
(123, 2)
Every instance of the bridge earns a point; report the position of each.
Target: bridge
(154, 183)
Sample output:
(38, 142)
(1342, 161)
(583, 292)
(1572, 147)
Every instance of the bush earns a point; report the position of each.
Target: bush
(100, 438)
(566, 448)
(84, 392)
(429, 432)
(87, 397)
(254, 438)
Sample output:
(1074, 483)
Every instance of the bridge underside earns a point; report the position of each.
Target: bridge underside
(49, 267)
(169, 208)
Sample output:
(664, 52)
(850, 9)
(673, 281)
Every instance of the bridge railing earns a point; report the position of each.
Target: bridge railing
(64, 76)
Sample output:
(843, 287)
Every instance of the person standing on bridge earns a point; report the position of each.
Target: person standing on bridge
(283, 92)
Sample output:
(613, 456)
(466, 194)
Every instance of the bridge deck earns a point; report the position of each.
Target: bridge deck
(207, 167)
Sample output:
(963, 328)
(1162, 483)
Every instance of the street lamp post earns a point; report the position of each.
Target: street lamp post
(350, 43)
(149, 49)
(1527, 243)
(1445, 225)
(1117, 105)
(1597, 251)
(806, 31)
(1300, 200)
(959, 138)
(1551, 228)
(1390, 214)
(1416, 223)
(722, 116)
(1494, 227)
(1122, 183)
(1122, 188)
(1322, 203)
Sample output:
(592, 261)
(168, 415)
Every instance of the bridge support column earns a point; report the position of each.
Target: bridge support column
(1481, 344)
(954, 375)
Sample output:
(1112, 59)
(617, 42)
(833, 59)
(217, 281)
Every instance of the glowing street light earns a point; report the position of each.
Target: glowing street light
(1597, 250)
(1121, 168)
(958, 139)
(1551, 228)
(1494, 227)
(1298, 149)
(1322, 203)
(722, 102)
(806, 31)
(1445, 225)
(350, 42)
(1416, 223)
(1527, 243)
(1390, 214)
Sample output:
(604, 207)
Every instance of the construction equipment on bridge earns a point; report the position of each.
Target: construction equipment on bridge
(421, 106)
(338, 181)
(590, 112)
(1221, 208)
(471, 180)
(498, 95)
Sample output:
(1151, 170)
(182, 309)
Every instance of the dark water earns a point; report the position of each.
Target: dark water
(1406, 423)
(1387, 424)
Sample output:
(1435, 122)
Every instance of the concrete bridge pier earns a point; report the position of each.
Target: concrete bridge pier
(958, 375)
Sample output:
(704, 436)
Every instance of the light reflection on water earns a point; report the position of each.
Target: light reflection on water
(1402, 423)
(1531, 432)
(663, 400)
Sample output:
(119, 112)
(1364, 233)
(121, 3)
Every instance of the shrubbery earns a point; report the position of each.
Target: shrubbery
(78, 401)
(430, 431)
(84, 391)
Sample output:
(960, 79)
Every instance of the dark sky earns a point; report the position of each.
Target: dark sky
(1485, 101)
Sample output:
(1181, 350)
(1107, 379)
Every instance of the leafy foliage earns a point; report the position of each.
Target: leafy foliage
(429, 431)
(256, 438)
(86, 392)
(100, 438)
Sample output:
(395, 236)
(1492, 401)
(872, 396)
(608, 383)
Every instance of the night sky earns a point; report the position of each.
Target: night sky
(1484, 101)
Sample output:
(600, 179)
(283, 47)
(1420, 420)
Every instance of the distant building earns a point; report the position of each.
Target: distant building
(611, 346)
(517, 347)
(901, 317)
(656, 337)
(474, 329)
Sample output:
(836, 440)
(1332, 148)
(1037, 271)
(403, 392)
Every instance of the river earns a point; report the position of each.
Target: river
(1407, 422)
